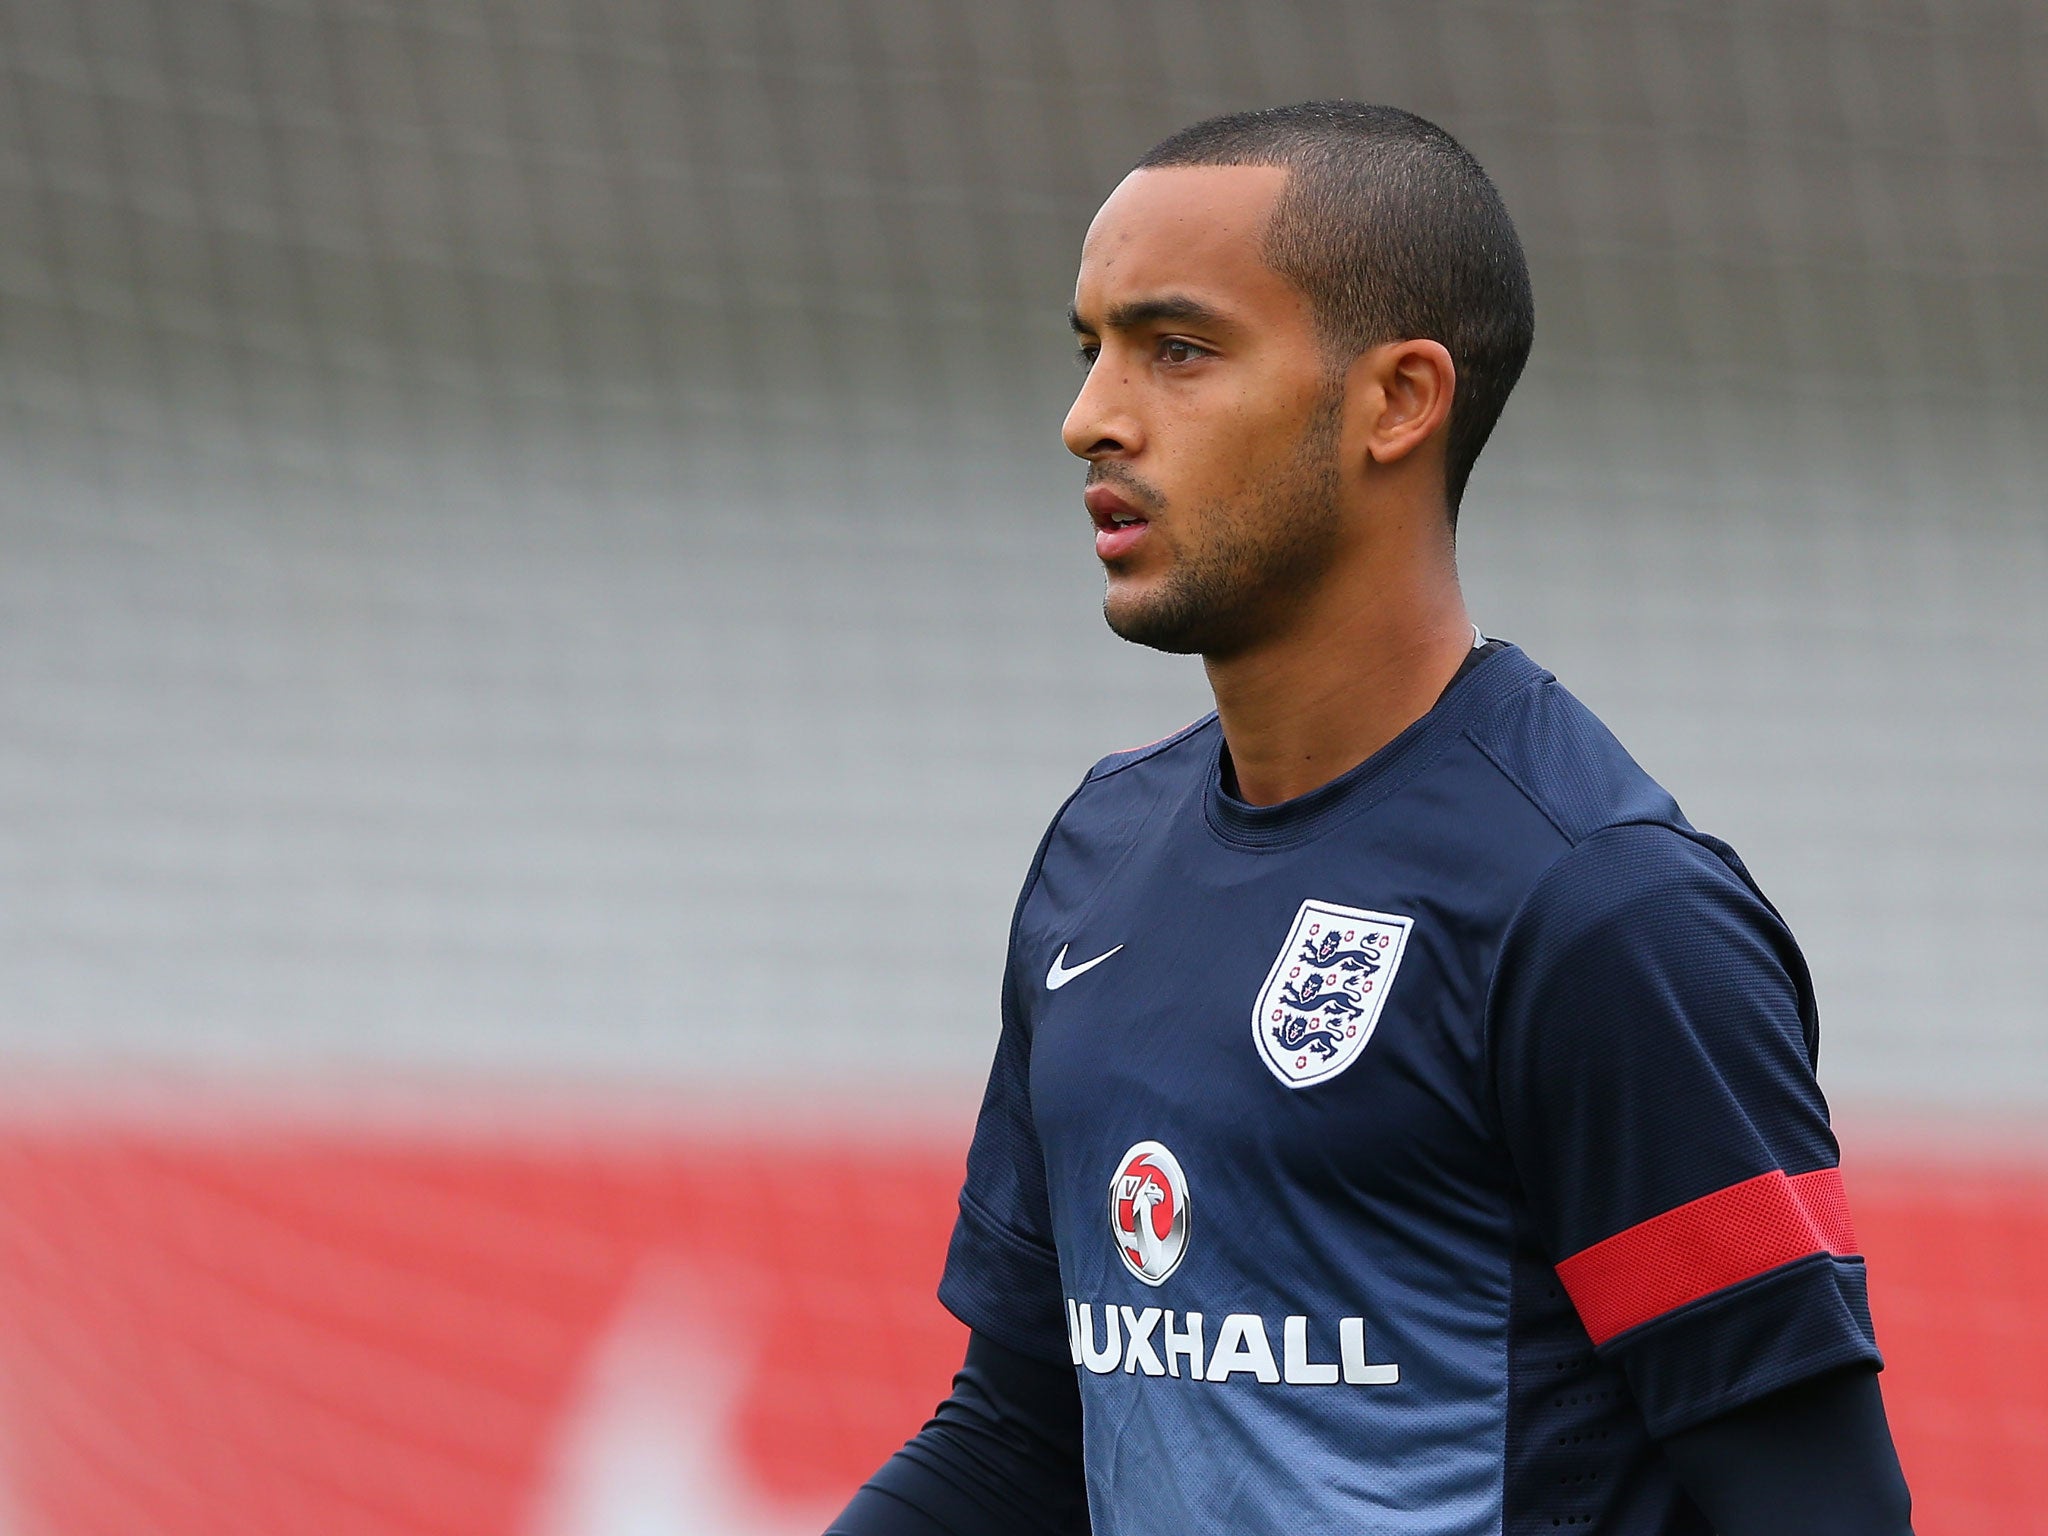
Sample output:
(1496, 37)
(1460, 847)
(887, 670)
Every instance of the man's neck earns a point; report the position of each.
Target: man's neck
(1315, 702)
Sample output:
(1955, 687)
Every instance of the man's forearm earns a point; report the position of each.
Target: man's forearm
(1815, 1458)
(1001, 1457)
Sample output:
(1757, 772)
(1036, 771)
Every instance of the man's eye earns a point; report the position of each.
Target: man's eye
(1085, 354)
(1173, 350)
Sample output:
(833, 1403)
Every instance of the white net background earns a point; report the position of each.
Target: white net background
(528, 525)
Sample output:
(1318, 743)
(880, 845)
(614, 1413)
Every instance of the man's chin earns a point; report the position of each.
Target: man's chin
(1152, 619)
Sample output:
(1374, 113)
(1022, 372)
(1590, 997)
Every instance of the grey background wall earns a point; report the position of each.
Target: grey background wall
(533, 542)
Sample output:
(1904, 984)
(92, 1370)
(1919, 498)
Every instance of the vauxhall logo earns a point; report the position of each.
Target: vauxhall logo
(1153, 1342)
(1148, 1222)
(1148, 1212)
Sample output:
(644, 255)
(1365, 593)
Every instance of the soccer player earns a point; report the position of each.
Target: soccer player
(1404, 1120)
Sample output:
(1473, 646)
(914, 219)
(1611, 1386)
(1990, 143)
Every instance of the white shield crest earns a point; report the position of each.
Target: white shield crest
(1326, 989)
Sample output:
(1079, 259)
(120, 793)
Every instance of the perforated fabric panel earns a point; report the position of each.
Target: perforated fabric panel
(1577, 1452)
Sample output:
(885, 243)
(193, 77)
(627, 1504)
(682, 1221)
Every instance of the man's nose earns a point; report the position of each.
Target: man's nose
(1098, 426)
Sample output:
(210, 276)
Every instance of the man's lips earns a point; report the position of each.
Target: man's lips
(1119, 526)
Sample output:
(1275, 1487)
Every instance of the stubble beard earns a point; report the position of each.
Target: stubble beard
(1259, 551)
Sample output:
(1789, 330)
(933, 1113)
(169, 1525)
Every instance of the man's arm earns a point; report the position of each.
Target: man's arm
(1654, 1040)
(1815, 1458)
(1001, 1457)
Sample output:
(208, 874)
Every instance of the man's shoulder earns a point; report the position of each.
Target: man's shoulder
(1561, 757)
(1171, 755)
(1124, 788)
(1621, 848)
(1115, 801)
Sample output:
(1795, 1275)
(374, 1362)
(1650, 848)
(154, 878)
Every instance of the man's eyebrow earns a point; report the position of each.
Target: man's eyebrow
(1133, 313)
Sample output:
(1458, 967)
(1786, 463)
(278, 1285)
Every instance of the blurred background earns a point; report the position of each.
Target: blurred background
(543, 612)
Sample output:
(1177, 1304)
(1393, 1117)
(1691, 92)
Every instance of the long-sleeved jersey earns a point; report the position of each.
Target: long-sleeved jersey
(1409, 1156)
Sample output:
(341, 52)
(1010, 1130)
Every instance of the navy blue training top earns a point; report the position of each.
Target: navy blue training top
(1406, 1157)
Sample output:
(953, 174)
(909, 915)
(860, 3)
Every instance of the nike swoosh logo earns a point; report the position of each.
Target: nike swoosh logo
(1060, 975)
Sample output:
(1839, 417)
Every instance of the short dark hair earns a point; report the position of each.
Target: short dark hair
(1393, 231)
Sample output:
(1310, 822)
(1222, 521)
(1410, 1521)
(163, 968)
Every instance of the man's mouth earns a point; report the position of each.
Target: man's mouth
(1119, 526)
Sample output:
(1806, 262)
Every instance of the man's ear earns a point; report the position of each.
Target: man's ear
(1401, 393)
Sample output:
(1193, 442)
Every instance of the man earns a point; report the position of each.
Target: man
(1403, 1121)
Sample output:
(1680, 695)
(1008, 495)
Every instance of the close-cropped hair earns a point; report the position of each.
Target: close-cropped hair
(1393, 232)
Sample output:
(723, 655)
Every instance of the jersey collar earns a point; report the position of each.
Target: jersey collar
(1506, 671)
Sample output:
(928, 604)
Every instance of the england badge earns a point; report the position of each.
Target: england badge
(1326, 989)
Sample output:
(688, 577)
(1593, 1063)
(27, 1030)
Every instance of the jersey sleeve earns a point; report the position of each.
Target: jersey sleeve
(1653, 1040)
(1002, 1275)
